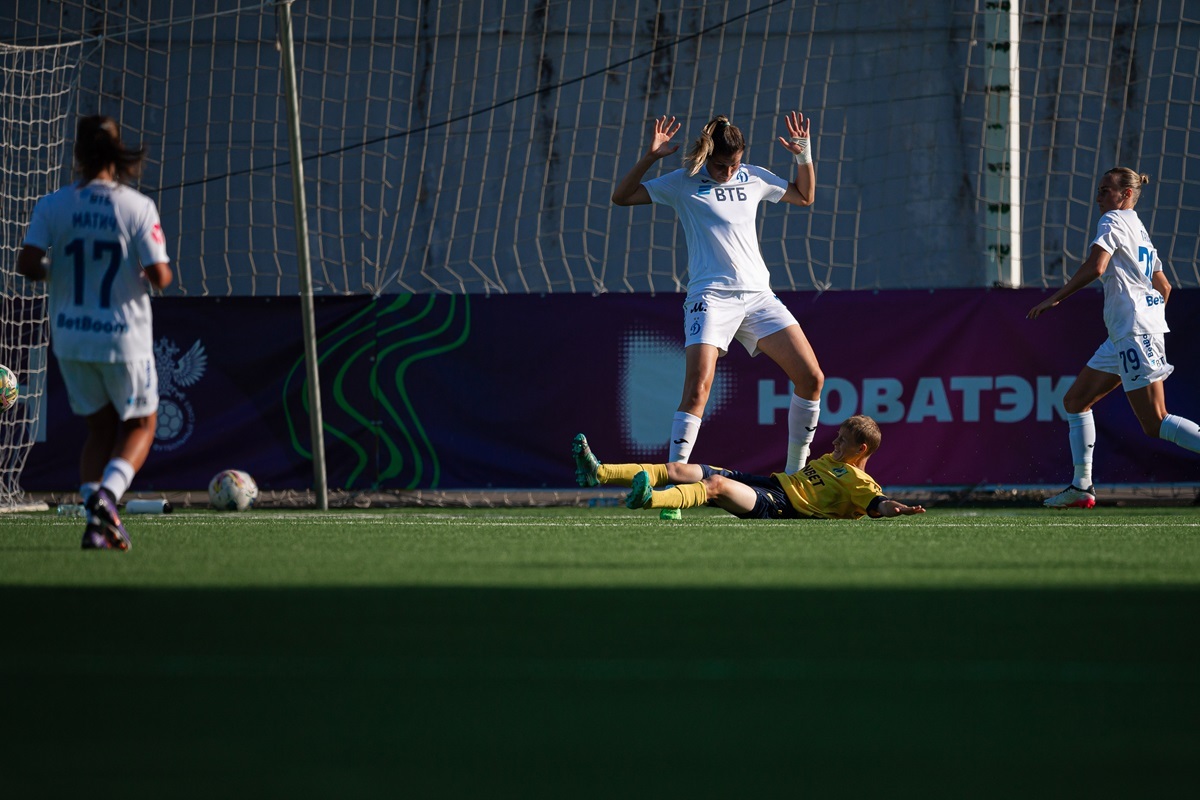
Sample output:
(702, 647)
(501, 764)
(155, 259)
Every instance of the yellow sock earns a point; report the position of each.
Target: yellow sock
(622, 474)
(689, 495)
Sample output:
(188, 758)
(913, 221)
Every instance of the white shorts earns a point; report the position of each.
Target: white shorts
(131, 387)
(718, 316)
(1140, 360)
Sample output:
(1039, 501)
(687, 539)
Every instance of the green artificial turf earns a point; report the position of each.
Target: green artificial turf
(603, 653)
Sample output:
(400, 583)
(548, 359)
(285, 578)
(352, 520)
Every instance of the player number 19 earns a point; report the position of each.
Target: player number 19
(1130, 360)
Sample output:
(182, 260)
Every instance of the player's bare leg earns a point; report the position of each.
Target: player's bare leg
(791, 350)
(1149, 404)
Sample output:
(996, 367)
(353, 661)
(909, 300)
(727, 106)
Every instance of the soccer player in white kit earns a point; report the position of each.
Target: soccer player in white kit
(1134, 355)
(729, 286)
(105, 248)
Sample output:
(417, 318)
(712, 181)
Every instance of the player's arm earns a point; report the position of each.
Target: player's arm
(802, 190)
(630, 191)
(31, 263)
(1090, 270)
(1160, 282)
(158, 275)
(886, 507)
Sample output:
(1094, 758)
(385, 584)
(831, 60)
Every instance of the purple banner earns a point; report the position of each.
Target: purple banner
(473, 392)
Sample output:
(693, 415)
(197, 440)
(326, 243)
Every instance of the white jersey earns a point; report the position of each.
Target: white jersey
(1131, 303)
(99, 235)
(719, 224)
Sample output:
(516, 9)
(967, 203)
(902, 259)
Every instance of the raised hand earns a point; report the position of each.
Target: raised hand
(660, 143)
(798, 128)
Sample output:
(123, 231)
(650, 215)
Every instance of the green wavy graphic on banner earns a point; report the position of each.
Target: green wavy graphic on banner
(389, 335)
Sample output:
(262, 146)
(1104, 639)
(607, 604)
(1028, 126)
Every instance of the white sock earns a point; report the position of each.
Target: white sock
(1180, 431)
(88, 489)
(1083, 440)
(802, 427)
(117, 477)
(685, 428)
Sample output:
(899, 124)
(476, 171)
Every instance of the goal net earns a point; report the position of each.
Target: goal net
(36, 110)
(472, 146)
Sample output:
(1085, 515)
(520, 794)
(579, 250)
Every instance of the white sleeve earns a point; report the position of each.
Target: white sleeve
(38, 234)
(149, 239)
(1108, 235)
(663, 188)
(774, 186)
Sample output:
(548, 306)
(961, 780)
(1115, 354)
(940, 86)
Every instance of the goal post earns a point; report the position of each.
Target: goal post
(1002, 154)
(303, 256)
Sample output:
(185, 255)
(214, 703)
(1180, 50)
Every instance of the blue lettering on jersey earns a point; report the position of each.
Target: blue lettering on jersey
(84, 220)
(723, 193)
(728, 193)
(88, 325)
(1153, 300)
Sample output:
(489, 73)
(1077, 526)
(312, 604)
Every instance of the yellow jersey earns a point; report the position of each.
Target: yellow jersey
(829, 489)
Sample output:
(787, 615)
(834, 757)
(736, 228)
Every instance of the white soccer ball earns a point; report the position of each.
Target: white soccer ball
(232, 490)
(8, 388)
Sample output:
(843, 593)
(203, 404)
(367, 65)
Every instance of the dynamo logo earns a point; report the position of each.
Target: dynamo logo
(176, 417)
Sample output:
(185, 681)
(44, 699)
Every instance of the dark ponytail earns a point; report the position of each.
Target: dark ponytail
(98, 146)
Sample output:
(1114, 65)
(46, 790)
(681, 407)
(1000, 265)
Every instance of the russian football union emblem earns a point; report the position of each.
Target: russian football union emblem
(176, 418)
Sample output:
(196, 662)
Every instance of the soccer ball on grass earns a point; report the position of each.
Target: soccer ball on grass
(232, 490)
(8, 388)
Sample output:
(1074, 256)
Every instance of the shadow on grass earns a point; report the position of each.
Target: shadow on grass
(599, 693)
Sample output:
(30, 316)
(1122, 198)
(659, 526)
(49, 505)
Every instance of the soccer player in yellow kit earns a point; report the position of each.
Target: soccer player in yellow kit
(834, 486)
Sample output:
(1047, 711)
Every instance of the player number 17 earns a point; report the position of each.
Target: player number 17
(101, 250)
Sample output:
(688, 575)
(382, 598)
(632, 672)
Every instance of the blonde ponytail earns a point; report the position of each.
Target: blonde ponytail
(1126, 178)
(720, 137)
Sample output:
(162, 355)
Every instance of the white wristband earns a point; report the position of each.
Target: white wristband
(805, 155)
